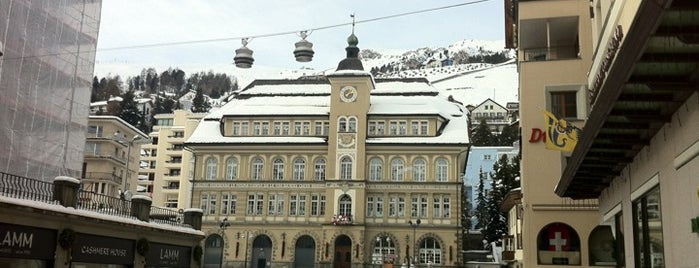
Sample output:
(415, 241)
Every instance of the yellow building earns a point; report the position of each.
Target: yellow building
(341, 171)
(554, 55)
(636, 68)
(165, 166)
(112, 152)
(638, 152)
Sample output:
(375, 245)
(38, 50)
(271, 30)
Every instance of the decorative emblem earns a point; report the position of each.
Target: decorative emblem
(346, 140)
(348, 94)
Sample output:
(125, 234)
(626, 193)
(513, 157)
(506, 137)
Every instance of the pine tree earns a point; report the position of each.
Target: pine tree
(508, 135)
(497, 222)
(481, 212)
(199, 103)
(482, 136)
(129, 110)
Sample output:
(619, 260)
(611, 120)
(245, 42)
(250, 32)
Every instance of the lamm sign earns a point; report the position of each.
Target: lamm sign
(19, 241)
(163, 255)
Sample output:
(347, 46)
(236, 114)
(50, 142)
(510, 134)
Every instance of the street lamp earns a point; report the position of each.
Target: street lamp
(414, 225)
(223, 225)
(136, 140)
(247, 236)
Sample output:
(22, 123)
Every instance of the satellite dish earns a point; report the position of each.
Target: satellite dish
(128, 195)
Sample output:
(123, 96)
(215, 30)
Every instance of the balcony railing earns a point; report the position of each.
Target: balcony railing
(103, 176)
(117, 158)
(342, 220)
(36, 190)
(550, 53)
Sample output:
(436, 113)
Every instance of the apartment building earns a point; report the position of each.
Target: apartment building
(638, 152)
(342, 171)
(554, 55)
(165, 167)
(111, 156)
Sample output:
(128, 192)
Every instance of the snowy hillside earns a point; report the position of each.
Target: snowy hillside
(469, 83)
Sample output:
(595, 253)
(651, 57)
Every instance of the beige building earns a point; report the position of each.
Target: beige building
(165, 168)
(112, 151)
(342, 171)
(638, 152)
(635, 64)
(554, 55)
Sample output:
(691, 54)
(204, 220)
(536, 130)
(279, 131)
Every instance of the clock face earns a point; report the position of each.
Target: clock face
(348, 94)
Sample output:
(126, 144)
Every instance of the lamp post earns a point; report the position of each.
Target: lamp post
(247, 236)
(414, 225)
(223, 225)
(128, 143)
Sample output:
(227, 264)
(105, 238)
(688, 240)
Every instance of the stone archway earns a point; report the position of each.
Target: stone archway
(343, 252)
(261, 252)
(213, 251)
(305, 252)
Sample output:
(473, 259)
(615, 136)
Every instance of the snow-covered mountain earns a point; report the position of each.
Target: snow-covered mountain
(465, 78)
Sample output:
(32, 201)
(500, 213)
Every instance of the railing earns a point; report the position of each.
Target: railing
(104, 204)
(342, 220)
(37, 190)
(103, 176)
(550, 53)
(111, 156)
(24, 188)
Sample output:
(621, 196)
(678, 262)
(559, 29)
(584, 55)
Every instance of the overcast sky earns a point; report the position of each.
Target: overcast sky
(127, 23)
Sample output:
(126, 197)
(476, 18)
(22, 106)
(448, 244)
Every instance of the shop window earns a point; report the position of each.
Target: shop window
(648, 230)
(601, 246)
(558, 243)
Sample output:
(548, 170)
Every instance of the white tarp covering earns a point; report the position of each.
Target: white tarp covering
(45, 79)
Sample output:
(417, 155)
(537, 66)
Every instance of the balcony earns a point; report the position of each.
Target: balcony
(550, 53)
(342, 220)
(103, 176)
(98, 155)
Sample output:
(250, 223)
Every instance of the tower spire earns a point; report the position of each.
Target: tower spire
(351, 62)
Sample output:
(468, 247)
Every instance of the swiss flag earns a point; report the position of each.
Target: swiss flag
(558, 237)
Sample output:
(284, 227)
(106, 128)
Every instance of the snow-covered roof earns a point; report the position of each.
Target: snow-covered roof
(407, 97)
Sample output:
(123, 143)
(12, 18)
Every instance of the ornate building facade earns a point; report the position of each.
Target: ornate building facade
(342, 171)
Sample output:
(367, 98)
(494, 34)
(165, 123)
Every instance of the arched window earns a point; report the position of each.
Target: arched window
(397, 169)
(345, 208)
(441, 170)
(430, 252)
(232, 168)
(602, 246)
(558, 243)
(375, 169)
(419, 167)
(386, 247)
(278, 169)
(342, 125)
(299, 169)
(346, 168)
(211, 168)
(352, 125)
(319, 170)
(257, 169)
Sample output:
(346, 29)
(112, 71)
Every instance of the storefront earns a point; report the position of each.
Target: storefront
(164, 255)
(90, 251)
(26, 246)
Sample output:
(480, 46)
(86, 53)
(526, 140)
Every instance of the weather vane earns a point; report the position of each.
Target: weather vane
(352, 15)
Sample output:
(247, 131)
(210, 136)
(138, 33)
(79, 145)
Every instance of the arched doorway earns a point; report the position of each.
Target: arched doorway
(261, 252)
(305, 252)
(213, 251)
(430, 252)
(343, 252)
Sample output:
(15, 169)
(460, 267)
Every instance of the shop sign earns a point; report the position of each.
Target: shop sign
(102, 249)
(163, 255)
(26, 242)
